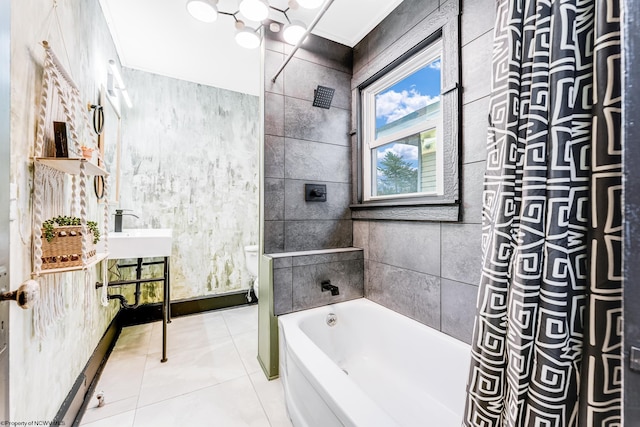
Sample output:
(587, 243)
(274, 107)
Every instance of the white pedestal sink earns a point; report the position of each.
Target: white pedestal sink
(140, 243)
(143, 243)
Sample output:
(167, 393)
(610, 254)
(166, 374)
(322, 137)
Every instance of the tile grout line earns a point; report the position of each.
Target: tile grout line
(135, 413)
(247, 374)
(255, 391)
(189, 392)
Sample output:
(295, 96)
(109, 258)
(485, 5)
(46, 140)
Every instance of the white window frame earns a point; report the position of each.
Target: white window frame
(370, 143)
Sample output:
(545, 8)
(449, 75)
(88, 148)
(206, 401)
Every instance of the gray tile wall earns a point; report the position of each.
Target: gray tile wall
(430, 270)
(306, 144)
(297, 278)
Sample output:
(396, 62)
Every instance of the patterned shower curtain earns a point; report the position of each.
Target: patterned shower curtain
(546, 349)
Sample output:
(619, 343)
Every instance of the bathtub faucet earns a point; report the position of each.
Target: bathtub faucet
(327, 286)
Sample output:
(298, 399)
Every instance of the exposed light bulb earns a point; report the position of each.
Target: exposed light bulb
(293, 32)
(309, 4)
(254, 10)
(274, 27)
(203, 10)
(248, 38)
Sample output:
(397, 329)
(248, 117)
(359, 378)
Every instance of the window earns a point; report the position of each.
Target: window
(402, 129)
(407, 136)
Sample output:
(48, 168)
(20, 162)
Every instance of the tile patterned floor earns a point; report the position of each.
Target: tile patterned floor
(212, 377)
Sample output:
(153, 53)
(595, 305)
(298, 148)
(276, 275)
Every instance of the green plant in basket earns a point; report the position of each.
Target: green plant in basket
(62, 221)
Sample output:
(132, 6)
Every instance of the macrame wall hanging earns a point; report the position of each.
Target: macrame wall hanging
(60, 101)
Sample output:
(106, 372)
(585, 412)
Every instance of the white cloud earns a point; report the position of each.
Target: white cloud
(436, 65)
(407, 152)
(394, 105)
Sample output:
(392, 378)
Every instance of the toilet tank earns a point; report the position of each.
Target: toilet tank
(251, 258)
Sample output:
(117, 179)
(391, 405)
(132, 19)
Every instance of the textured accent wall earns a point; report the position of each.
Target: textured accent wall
(189, 161)
(430, 270)
(44, 371)
(306, 144)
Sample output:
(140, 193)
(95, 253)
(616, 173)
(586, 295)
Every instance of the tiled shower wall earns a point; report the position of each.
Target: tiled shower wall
(430, 270)
(306, 144)
(297, 277)
(190, 163)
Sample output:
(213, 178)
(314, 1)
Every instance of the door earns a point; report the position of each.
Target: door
(5, 163)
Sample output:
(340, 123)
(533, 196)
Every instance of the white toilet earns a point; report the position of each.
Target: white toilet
(251, 260)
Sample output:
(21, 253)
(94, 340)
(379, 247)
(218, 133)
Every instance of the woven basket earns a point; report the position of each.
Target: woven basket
(65, 250)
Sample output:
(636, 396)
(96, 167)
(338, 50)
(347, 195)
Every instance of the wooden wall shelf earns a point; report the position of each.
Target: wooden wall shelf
(71, 165)
(99, 257)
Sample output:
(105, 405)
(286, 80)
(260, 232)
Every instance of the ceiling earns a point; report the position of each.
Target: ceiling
(159, 36)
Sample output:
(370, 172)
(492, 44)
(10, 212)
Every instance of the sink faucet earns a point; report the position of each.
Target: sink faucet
(119, 214)
(327, 286)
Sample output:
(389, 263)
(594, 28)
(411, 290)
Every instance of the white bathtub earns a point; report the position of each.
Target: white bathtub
(375, 367)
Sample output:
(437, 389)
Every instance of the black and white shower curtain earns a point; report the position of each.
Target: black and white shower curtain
(546, 349)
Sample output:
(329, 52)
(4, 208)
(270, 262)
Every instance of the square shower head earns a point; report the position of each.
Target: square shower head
(323, 96)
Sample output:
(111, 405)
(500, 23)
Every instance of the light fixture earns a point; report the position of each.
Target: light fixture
(203, 10)
(294, 31)
(254, 10)
(309, 4)
(248, 38)
(114, 74)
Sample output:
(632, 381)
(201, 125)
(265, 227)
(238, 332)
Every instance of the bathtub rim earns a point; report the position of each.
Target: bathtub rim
(362, 411)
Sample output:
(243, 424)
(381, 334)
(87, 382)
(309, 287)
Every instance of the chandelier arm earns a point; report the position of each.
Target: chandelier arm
(230, 14)
(284, 12)
(313, 24)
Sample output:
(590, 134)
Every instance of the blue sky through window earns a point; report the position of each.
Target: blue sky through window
(395, 103)
(412, 93)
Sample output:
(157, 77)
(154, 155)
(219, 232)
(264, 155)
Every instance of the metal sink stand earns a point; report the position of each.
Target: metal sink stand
(166, 297)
